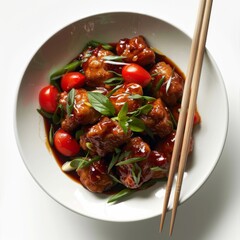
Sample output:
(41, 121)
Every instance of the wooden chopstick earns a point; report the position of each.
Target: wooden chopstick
(191, 109)
(197, 48)
(183, 112)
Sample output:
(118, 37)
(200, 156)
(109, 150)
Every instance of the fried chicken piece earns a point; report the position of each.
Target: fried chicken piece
(136, 50)
(133, 175)
(158, 120)
(95, 177)
(82, 113)
(121, 96)
(96, 70)
(171, 90)
(103, 137)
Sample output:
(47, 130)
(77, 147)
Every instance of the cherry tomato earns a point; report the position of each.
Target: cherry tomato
(196, 119)
(48, 98)
(134, 73)
(65, 143)
(72, 80)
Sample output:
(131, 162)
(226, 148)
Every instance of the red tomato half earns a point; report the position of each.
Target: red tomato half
(65, 143)
(72, 80)
(48, 98)
(134, 73)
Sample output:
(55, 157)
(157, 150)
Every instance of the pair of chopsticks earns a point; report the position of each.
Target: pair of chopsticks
(188, 108)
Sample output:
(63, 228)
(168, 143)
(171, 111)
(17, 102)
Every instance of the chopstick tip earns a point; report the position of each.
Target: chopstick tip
(161, 226)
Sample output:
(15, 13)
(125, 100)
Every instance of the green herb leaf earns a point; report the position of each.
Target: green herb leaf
(116, 73)
(174, 122)
(83, 162)
(126, 191)
(67, 68)
(157, 168)
(58, 114)
(113, 90)
(115, 179)
(50, 135)
(136, 124)
(70, 101)
(113, 162)
(113, 58)
(138, 96)
(123, 118)
(145, 109)
(123, 155)
(159, 84)
(130, 161)
(44, 113)
(123, 193)
(79, 133)
(119, 156)
(105, 46)
(101, 103)
(114, 81)
(136, 173)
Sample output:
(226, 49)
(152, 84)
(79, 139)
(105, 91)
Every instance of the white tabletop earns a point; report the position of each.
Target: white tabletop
(26, 212)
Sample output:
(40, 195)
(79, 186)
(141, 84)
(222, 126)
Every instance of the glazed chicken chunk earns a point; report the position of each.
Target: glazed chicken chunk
(136, 50)
(96, 70)
(161, 155)
(171, 89)
(95, 177)
(82, 113)
(121, 96)
(158, 120)
(103, 137)
(133, 175)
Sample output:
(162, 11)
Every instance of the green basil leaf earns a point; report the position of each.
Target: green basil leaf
(136, 124)
(70, 101)
(124, 125)
(44, 113)
(145, 109)
(123, 112)
(58, 114)
(101, 103)
(123, 118)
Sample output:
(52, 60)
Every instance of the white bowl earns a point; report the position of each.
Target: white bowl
(59, 50)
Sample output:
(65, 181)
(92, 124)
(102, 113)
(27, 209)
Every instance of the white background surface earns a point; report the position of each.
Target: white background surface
(26, 212)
